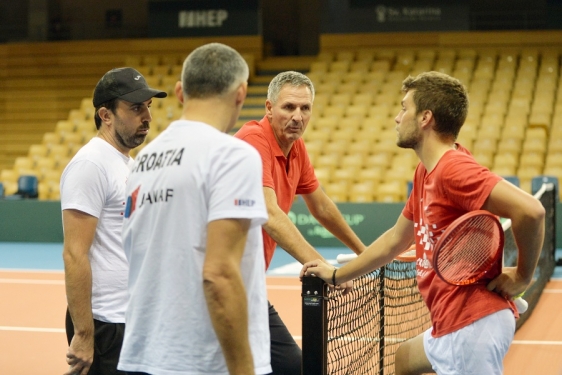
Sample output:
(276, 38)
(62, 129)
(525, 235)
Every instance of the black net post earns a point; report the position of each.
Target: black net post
(314, 326)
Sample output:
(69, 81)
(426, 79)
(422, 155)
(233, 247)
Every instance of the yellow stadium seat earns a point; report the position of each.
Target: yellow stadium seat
(9, 175)
(534, 145)
(320, 134)
(52, 175)
(485, 145)
(348, 87)
(338, 147)
(509, 145)
(323, 175)
(386, 146)
(338, 192)
(43, 165)
(531, 159)
(378, 160)
(23, 162)
(393, 191)
(54, 191)
(352, 162)
(399, 173)
(62, 162)
(329, 161)
(363, 147)
(58, 151)
(339, 66)
(504, 170)
(161, 70)
(72, 139)
(365, 54)
(44, 191)
(324, 123)
(355, 76)
(371, 174)
(333, 111)
(505, 160)
(489, 132)
(484, 158)
(340, 99)
(345, 55)
(335, 78)
(356, 111)
(351, 123)
(326, 87)
(343, 175)
(345, 133)
(51, 138)
(362, 99)
(37, 151)
(325, 56)
(314, 147)
(361, 66)
(362, 192)
(65, 126)
(553, 159)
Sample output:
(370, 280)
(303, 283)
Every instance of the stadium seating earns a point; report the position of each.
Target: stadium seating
(514, 124)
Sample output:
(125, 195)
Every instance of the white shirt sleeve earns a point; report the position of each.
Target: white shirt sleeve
(235, 185)
(83, 187)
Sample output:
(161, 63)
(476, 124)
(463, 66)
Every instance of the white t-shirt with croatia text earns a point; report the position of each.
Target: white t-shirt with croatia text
(190, 175)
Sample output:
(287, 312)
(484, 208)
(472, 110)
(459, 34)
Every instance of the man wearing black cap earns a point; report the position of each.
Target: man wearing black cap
(93, 202)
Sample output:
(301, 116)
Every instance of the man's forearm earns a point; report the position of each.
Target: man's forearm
(78, 280)
(529, 236)
(226, 302)
(288, 237)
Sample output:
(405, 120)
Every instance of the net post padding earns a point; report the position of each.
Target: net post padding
(314, 326)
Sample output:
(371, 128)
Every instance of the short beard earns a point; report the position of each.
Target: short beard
(407, 143)
(131, 141)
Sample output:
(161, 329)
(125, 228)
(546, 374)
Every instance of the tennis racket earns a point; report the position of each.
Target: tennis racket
(470, 251)
(407, 256)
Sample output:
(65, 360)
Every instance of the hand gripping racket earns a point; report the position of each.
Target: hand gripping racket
(470, 251)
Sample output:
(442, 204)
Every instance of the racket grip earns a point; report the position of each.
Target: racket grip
(344, 258)
(521, 305)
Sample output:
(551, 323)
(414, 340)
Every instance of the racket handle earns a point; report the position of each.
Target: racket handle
(521, 305)
(344, 258)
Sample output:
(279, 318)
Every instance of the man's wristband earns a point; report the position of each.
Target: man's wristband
(334, 277)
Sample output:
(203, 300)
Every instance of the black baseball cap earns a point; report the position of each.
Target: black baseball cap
(126, 84)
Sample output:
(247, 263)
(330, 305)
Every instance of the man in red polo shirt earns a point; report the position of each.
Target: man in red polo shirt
(287, 171)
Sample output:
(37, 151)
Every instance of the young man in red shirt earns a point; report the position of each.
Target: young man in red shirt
(473, 325)
(287, 171)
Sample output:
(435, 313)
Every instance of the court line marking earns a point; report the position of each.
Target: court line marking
(32, 281)
(31, 270)
(284, 287)
(536, 342)
(32, 329)
(516, 342)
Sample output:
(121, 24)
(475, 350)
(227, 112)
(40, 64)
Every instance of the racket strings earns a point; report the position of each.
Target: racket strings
(469, 250)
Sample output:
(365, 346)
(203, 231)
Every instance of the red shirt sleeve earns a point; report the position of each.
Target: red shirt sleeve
(308, 183)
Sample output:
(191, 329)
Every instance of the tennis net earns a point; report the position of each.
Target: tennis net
(359, 333)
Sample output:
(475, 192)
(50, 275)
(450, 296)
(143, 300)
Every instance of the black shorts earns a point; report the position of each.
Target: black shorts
(108, 339)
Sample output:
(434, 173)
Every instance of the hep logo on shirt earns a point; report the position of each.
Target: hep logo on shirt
(131, 203)
(244, 202)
